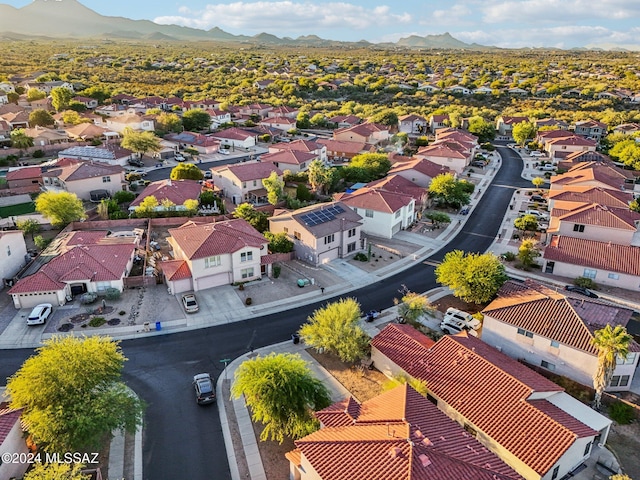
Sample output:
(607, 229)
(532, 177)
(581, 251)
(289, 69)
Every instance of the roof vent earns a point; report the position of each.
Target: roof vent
(426, 442)
(424, 459)
(395, 452)
(418, 434)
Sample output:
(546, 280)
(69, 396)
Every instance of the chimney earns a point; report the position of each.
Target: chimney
(168, 182)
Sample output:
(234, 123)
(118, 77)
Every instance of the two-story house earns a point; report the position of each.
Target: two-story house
(370, 133)
(293, 160)
(412, 124)
(529, 422)
(236, 138)
(436, 122)
(283, 124)
(13, 251)
(591, 129)
(242, 182)
(321, 232)
(383, 213)
(505, 124)
(173, 193)
(547, 328)
(342, 150)
(213, 254)
(110, 154)
(419, 171)
(82, 177)
(308, 146)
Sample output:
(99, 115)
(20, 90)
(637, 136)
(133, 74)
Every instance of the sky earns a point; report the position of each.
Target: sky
(502, 23)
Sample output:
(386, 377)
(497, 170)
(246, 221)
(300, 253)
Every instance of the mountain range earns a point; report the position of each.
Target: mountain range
(71, 19)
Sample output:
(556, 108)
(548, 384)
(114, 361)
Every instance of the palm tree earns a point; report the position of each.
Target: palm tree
(611, 344)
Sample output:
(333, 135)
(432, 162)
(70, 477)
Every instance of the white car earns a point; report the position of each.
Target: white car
(451, 327)
(189, 303)
(455, 315)
(536, 153)
(536, 213)
(223, 151)
(40, 314)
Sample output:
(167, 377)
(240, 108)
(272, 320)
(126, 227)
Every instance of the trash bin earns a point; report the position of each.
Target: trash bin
(296, 338)
(158, 326)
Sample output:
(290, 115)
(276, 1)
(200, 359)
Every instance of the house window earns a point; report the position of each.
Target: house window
(210, 262)
(578, 228)
(368, 213)
(547, 365)
(619, 381)
(589, 273)
(398, 213)
(247, 272)
(246, 256)
(630, 359)
(555, 473)
(614, 276)
(285, 230)
(351, 247)
(106, 179)
(8, 251)
(555, 344)
(329, 239)
(432, 399)
(355, 210)
(296, 235)
(526, 333)
(244, 184)
(587, 449)
(352, 233)
(255, 183)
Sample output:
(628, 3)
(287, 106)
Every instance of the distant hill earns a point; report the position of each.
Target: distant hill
(71, 19)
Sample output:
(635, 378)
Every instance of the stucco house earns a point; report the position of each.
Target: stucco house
(321, 232)
(204, 144)
(592, 129)
(294, 160)
(412, 124)
(82, 177)
(12, 441)
(437, 122)
(307, 146)
(604, 262)
(341, 150)
(529, 422)
(397, 435)
(370, 133)
(281, 123)
(242, 182)
(24, 180)
(553, 330)
(138, 123)
(109, 154)
(420, 171)
(446, 154)
(212, 254)
(383, 213)
(84, 261)
(13, 251)
(175, 191)
(504, 125)
(236, 138)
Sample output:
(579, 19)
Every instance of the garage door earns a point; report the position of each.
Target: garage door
(30, 301)
(396, 228)
(211, 281)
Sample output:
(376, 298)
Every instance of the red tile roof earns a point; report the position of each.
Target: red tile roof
(513, 120)
(290, 157)
(602, 216)
(342, 146)
(24, 173)
(298, 145)
(545, 312)
(592, 254)
(8, 419)
(72, 170)
(421, 165)
(590, 194)
(177, 191)
(576, 426)
(396, 436)
(175, 269)
(402, 343)
(200, 241)
(441, 150)
(248, 171)
(490, 390)
(38, 282)
(377, 200)
(398, 184)
(233, 134)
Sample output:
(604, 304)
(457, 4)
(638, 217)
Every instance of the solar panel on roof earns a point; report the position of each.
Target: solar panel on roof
(322, 216)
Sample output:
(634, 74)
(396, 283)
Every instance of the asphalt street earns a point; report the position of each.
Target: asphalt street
(182, 440)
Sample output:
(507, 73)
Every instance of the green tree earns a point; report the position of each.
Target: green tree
(538, 182)
(274, 186)
(612, 343)
(279, 242)
(195, 120)
(41, 242)
(526, 223)
(56, 471)
(336, 328)
(528, 252)
(395, 381)
(367, 167)
(61, 208)
(282, 393)
(19, 139)
(386, 117)
(186, 171)
(473, 277)
(140, 142)
(29, 226)
(72, 394)
(40, 118)
(258, 220)
(99, 92)
(302, 120)
(412, 306)
(71, 117)
(191, 204)
(523, 131)
(123, 196)
(61, 98)
(446, 189)
(319, 120)
(168, 122)
(484, 130)
(319, 176)
(634, 206)
(34, 94)
(147, 206)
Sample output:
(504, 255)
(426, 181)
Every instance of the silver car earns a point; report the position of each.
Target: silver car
(190, 303)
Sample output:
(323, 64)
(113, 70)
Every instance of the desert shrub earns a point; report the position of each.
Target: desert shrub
(38, 154)
(248, 301)
(509, 256)
(112, 294)
(97, 321)
(586, 283)
(621, 413)
(361, 257)
(276, 271)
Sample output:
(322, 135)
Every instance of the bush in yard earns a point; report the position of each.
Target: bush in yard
(97, 321)
(112, 293)
(586, 283)
(37, 154)
(336, 328)
(276, 271)
(361, 257)
(621, 413)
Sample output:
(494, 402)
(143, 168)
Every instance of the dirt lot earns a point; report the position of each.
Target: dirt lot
(450, 301)
(624, 442)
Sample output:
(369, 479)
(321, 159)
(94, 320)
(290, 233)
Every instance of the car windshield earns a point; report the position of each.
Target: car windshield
(191, 303)
(205, 386)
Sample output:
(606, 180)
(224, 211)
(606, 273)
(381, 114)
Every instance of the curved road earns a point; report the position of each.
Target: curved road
(182, 440)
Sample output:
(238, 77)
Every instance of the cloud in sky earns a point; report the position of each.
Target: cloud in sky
(287, 15)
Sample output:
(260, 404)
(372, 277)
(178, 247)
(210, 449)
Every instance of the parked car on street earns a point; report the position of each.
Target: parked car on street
(203, 385)
(538, 214)
(549, 167)
(135, 162)
(536, 153)
(538, 198)
(40, 314)
(179, 157)
(581, 290)
(190, 303)
(478, 163)
(223, 151)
